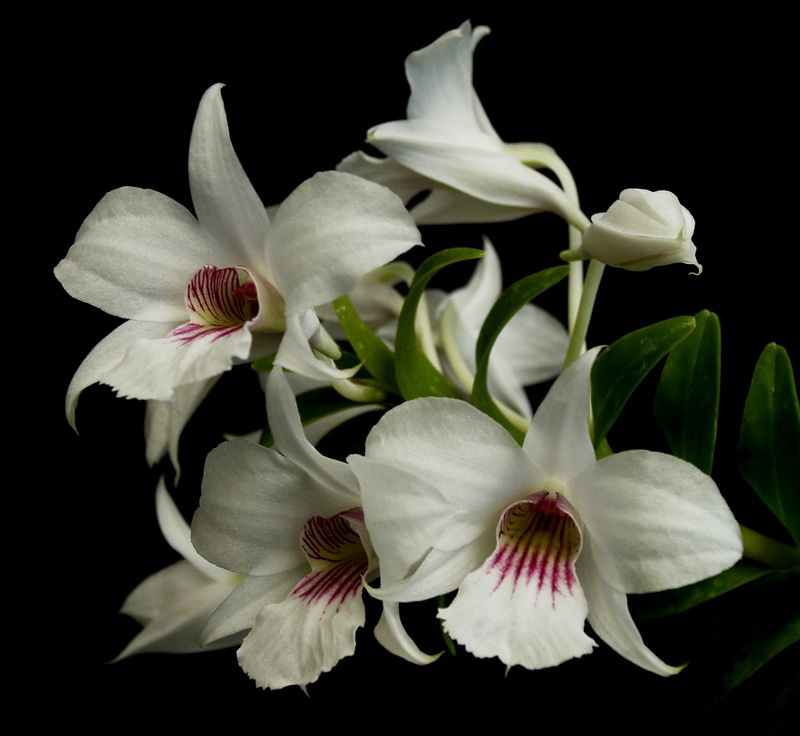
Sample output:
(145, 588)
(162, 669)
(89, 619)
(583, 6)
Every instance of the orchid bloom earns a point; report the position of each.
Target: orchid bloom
(175, 603)
(539, 538)
(642, 229)
(447, 145)
(291, 522)
(202, 294)
(530, 349)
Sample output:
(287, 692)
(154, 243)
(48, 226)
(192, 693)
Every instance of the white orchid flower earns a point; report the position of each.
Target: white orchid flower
(537, 539)
(291, 522)
(202, 294)
(447, 145)
(642, 229)
(175, 603)
(530, 349)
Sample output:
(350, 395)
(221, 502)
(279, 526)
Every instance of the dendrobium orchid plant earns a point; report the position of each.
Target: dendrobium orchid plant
(523, 521)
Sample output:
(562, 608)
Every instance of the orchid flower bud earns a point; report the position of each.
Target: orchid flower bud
(640, 230)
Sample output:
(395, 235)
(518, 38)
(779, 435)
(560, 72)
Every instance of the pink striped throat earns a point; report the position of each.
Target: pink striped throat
(539, 541)
(338, 559)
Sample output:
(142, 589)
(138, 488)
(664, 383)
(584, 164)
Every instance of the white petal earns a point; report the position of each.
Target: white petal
(525, 604)
(315, 431)
(224, 199)
(176, 531)
(402, 181)
(470, 459)
(105, 356)
(440, 77)
(287, 431)
(558, 439)
(238, 611)
(164, 421)
(656, 521)
(253, 507)
(475, 300)
(447, 207)
(293, 642)
(332, 229)
(134, 255)
(440, 572)
(533, 345)
(295, 353)
(610, 618)
(154, 368)
(470, 162)
(393, 637)
(178, 601)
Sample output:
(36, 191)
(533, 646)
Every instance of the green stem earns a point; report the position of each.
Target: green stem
(539, 156)
(767, 551)
(577, 337)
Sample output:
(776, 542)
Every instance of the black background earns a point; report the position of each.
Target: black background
(628, 100)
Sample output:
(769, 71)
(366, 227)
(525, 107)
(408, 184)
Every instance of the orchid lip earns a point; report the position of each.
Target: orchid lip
(338, 561)
(540, 542)
(223, 300)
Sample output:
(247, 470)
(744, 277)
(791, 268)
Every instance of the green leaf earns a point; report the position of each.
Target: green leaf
(669, 602)
(416, 376)
(766, 621)
(687, 399)
(313, 405)
(508, 304)
(623, 365)
(264, 365)
(370, 349)
(769, 444)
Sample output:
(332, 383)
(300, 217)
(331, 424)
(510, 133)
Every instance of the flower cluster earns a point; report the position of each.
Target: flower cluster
(463, 488)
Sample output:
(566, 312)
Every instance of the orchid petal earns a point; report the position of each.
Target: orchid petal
(176, 531)
(224, 199)
(448, 207)
(295, 353)
(393, 637)
(328, 232)
(558, 439)
(610, 618)
(153, 369)
(253, 506)
(440, 77)
(657, 522)
(287, 430)
(134, 255)
(174, 604)
(293, 642)
(105, 356)
(239, 610)
(525, 605)
(404, 182)
(453, 156)
(533, 346)
(474, 300)
(456, 449)
(164, 421)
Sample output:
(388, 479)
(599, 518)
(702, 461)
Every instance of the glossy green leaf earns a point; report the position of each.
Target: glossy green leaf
(314, 405)
(508, 304)
(669, 602)
(416, 375)
(687, 399)
(769, 444)
(370, 349)
(623, 365)
(765, 622)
